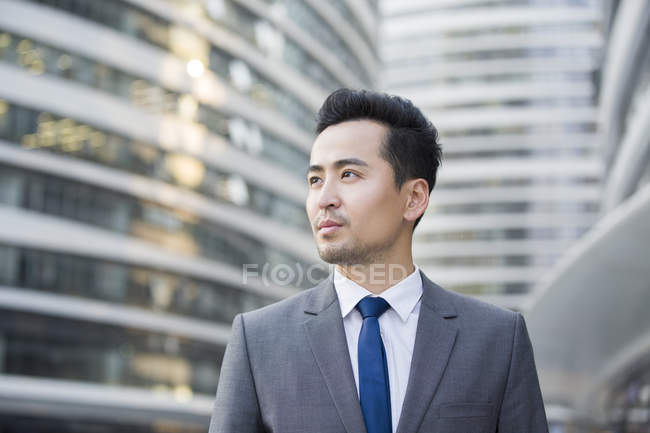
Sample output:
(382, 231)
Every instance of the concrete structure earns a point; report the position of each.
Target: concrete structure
(589, 318)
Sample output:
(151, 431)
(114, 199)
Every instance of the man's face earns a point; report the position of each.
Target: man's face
(352, 189)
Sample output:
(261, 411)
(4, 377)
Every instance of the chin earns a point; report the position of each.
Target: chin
(329, 253)
(340, 253)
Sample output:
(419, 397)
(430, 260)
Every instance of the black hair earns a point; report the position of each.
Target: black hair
(411, 145)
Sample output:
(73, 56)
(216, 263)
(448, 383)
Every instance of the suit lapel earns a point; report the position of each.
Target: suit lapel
(434, 341)
(326, 335)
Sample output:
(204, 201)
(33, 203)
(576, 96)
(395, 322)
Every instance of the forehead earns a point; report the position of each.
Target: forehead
(354, 138)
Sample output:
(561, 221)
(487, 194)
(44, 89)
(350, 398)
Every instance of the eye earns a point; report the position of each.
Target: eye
(348, 172)
(313, 179)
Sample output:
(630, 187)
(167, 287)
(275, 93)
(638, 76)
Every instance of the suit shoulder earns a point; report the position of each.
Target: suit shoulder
(479, 311)
(280, 311)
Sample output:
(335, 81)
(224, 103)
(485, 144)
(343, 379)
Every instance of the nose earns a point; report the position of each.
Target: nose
(329, 196)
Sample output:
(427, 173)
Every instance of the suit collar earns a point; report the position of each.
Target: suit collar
(326, 336)
(434, 342)
(321, 296)
(434, 296)
(437, 298)
(402, 297)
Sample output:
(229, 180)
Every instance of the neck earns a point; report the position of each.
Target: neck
(377, 277)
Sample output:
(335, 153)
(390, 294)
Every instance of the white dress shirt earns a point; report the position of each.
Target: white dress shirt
(397, 326)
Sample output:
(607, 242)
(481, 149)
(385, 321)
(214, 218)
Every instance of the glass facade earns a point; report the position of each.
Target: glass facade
(172, 229)
(266, 37)
(34, 424)
(36, 130)
(51, 347)
(344, 11)
(143, 25)
(123, 284)
(134, 343)
(39, 58)
(596, 376)
(305, 16)
(511, 88)
(545, 233)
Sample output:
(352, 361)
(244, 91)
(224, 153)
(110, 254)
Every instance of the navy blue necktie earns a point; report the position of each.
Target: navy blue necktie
(374, 388)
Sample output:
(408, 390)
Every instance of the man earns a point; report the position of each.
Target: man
(377, 347)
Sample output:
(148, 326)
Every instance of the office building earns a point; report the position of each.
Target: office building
(588, 317)
(149, 151)
(512, 87)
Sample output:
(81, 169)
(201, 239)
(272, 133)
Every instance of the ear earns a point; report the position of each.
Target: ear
(416, 198)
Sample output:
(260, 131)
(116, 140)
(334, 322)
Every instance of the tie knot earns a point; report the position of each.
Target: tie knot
(372, 307)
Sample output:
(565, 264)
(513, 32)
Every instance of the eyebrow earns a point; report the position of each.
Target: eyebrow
(340, 163)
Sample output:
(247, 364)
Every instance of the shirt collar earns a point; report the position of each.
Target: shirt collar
(402, 297)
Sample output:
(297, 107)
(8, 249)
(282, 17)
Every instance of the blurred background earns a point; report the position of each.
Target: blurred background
(151, 148)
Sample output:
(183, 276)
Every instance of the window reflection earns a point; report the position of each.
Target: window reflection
(551, 152)
(312, 23)
(496, 260)
(490, 288)
(173, 229)
(345, 13)
(526, 130)
(124, 284)
(154, 98)
(14, 423)
(519, 181)
(119, 15)
(32, 129)
(61, 348)
(536, 233)
(143, 25)
(249, 82)
(241, 21)
(302, 14)
(518, 207)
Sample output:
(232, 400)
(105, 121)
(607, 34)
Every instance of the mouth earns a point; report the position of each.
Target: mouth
(327, 227)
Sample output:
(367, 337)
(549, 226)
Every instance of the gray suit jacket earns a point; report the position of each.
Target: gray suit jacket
(287, 369)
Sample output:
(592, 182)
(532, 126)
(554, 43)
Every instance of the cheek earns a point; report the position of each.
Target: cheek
(375, 209)
(310, 207)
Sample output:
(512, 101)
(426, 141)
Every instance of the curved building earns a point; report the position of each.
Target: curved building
(149, 151)
(511, 86)
(596, 377)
